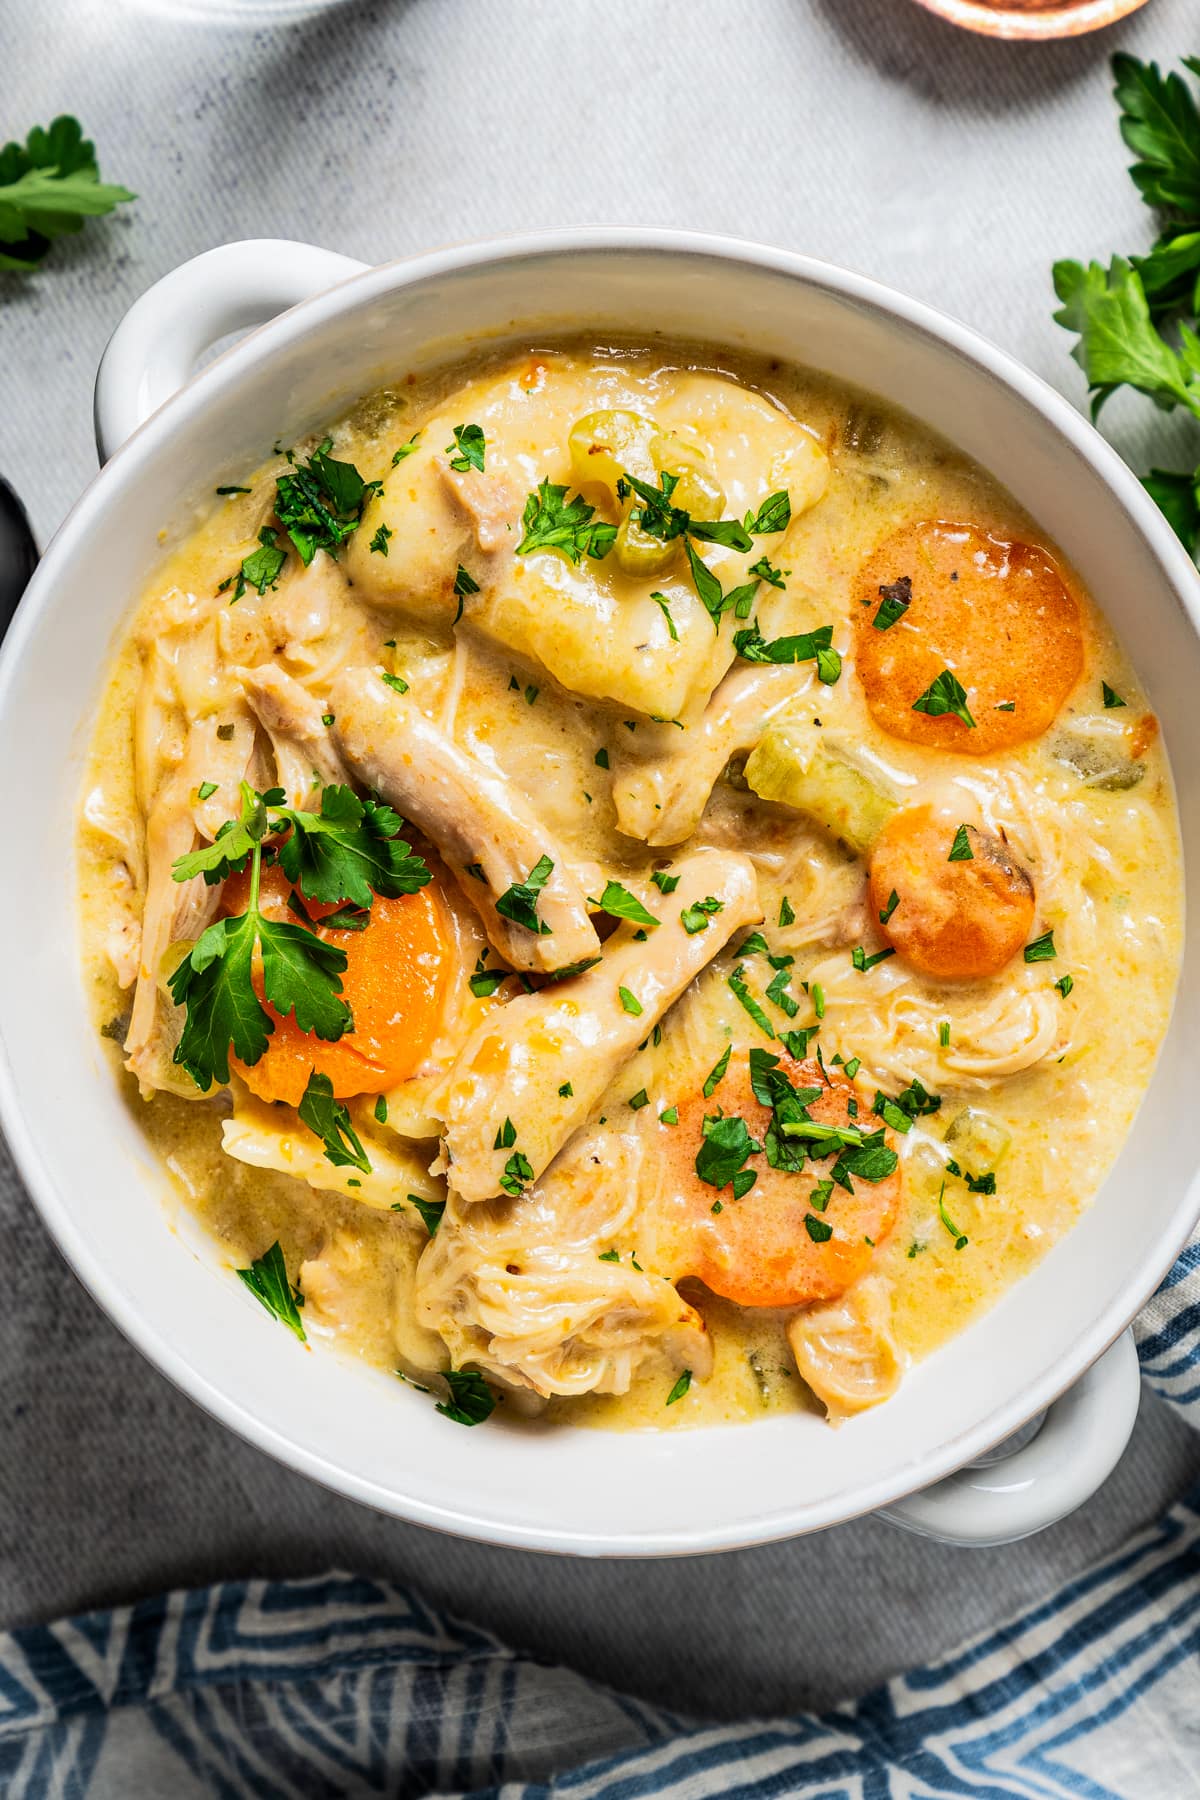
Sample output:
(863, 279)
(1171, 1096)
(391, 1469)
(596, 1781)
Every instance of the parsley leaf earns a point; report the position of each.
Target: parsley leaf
(960, 849)
(806, 646)
(630, 1003)
(893, 901)
(350, 850)
(737, 986)
(519, 902)
(267, 1279)
(696, 917)
(399, 455)
(1042, 949)
(717, 1073)
(48, 187)
(468, 449)
(665, 881)
(1161, 125)
(660, 600)
(619, 903)
(895, 599)
(726, 1146)
(764, 570)
(431, 1211)
(1110, 696)
(471, 1399)
(945, 694)
(680, 1389)
(1178, 498)
(329, 1119)
(379, 543)
(775, 514)
(551, 522)
(1118, 344)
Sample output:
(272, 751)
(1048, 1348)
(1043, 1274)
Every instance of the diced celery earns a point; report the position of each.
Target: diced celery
(791, 765)
(976, 1140)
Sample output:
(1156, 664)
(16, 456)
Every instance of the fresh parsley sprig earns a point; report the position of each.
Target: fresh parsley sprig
(321, 503)
(1135, 320)
(552, 522)
(48, 187)
(330, 1120)
(267, 1279)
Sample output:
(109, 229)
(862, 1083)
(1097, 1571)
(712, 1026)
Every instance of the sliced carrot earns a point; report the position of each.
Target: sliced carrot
(395, 982)
(759, 1251)
(955, 921)
(996, 613)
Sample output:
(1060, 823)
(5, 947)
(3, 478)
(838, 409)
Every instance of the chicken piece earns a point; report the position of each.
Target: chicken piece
(845, 1349)
(267, 1136)
(661, 782)
(544, 1061)
(473, 816)
(294, 720)
(518, 1287)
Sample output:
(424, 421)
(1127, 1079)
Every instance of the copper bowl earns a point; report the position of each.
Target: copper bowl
(1032, 18)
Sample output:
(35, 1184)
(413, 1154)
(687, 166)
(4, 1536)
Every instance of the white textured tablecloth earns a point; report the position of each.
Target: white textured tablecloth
(862, 131)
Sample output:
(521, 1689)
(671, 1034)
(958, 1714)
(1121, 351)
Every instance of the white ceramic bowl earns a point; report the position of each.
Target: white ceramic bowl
(79, 1149)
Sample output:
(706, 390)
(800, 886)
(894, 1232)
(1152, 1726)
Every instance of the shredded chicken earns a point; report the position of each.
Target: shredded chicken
(544, 1060)
(517, 1286)
(475, 818)
(305, 757)
(846, 1351)
(662, 780)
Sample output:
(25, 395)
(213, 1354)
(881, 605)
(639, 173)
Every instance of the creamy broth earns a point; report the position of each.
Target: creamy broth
(629, 731)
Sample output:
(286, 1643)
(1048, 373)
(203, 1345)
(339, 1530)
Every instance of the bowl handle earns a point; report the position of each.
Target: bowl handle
(156, 347)
(1046, 1473)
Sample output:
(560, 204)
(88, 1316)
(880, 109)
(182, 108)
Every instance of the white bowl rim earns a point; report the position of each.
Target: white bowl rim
(224, 372)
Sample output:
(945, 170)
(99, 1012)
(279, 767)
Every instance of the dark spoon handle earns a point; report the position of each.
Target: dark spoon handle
(18, 553)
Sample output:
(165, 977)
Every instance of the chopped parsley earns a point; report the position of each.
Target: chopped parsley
(485, 981)
(397, 683)
(381, 1110)
(531, 694)
(329, 1119)
(233, 490)
(465, 584)
(775, 514)
(267, 1279)
(807, 646)
(638, 1100)
(863, 962)
(696, 917)
(817, 996)
(725, 1147)
(519, 902)
(777, 993)
(319, 504)
(976, 1184)
(399, 455)
(737, 987)
(566, 1091)
(471, 1400)
(383, 536)
(517, 1171)
(1042, 949)
(670, 1116)
(613, 1256)
(206, 790)
(660, 600)
(944, 1034)
(681, 1387)
(819, 1230)
(431, 1211)
(260, 570)
(506, 1136)
(717, 1073)
(630, 1003)
(468, 449)
(960, 1238)
(1064, 984)
(895, 599)
(787, 913)
(601, 759)
(960, 849)
(551, 522)
(893, 902)
(1111, 696)
(945, 694)
(765, 570)
(665, 882)
(913, 1103)
(619, 903)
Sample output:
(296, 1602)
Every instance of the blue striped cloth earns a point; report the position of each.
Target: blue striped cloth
(342, 1686)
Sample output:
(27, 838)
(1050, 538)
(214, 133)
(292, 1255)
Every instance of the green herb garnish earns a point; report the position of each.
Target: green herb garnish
(895, 599)
(471, 1399)
(960, 849)
(329, 1119)
(48, 187)
(519, 902)
(945, 694)
(681, 1387)
(619, 903)
(267, 1279)
(468, 449)
(1042, 949)
(551, 522)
